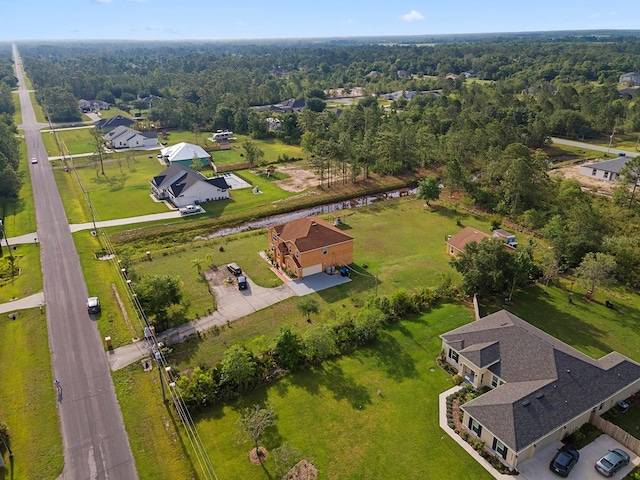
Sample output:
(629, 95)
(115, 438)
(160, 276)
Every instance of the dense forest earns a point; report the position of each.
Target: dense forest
(10, 179)
(482, 112)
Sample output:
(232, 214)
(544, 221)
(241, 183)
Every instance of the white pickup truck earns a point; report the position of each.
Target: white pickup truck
(190, 210)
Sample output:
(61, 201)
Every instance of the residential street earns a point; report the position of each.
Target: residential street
(587, 146)
(95, 442)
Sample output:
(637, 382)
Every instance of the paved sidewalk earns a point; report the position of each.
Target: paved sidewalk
(22, 239)
(442, 420)
(31, 301)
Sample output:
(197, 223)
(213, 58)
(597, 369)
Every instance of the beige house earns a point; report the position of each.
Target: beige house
(541, 388)
(309, 245)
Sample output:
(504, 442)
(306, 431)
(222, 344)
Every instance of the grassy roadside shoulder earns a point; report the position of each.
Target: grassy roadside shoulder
(28, 399)
(330, 412)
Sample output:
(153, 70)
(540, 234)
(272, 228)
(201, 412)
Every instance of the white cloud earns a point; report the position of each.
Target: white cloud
(103, 1)
(348, 21)
(411, 16)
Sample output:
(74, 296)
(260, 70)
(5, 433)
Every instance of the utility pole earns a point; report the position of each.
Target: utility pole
(611, 137)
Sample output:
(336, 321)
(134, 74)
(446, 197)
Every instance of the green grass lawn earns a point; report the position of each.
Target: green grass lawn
(331, 413)
(28, 405)
(122, 192)
(76, 141)
(29, 280)
(585, 325)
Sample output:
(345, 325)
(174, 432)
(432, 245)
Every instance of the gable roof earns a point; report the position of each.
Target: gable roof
(613, 166)
(110, 123)
(466, 235)
(548, 383)
(311, 233)
(183, 151)
(177, 178)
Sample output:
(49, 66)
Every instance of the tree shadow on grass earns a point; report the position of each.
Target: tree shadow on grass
(556, 316)
(391, 357)
(331, 376)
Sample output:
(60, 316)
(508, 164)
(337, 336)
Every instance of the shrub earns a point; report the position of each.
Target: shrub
(457, 379)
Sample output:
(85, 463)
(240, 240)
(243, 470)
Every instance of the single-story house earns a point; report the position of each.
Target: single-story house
(289, 106)
(606, 170)
(541, 388)
(125, 137)
(184, 154)
(184, 186)
(91, 105)
(457, 242)
(394, 96)
(108, 124)
(631, 78)
(309, 245)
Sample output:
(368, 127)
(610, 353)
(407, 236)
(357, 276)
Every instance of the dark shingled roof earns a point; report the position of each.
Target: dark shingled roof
(614, 165)
(181, 178)
(311, 233)
(548, 383)
(113, 122)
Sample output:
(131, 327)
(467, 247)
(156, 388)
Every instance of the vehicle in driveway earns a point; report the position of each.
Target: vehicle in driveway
(613, 461)
(242, 283)
(235, 269)
(564, 460)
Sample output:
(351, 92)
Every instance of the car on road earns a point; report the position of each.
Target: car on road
(564, 460)
(242, 283)
(34, 160)
(613, 461)
(93, 304)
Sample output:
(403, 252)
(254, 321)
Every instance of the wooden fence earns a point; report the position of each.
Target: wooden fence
(615, 432)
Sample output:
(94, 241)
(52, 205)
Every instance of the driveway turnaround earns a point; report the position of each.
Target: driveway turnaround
(315, 283)
(538, 467)
(232, 304)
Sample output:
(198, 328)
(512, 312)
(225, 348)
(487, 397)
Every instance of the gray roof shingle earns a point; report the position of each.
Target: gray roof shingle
(548, 383)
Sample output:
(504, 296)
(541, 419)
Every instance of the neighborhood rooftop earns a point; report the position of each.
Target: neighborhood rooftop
(547, 383)
(310, 233)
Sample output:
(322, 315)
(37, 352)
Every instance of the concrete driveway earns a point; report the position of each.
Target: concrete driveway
(315, 283)
(538, 467)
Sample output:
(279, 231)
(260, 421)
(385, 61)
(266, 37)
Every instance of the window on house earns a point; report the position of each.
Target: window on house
(274, 237)
(593, 173)
(499, 448)
(475, 427)
(273, 248)
(494, 381)
(451, 251)
(453, 355)
(600, 407)
(297, 254)
(606, 175)
(324, 250)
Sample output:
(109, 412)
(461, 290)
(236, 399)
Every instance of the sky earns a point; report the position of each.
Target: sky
(256, 19)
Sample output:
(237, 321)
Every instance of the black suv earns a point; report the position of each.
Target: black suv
(564, 461)
(235, 269)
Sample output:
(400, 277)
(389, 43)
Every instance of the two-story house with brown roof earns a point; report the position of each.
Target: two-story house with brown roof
(309, 245)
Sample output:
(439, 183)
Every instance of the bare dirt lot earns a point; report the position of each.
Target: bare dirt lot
(600, 186)
(300, 179)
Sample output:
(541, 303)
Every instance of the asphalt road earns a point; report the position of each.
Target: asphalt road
(588, 146)
(95, 442)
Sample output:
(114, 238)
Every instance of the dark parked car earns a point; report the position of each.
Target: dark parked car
(235, 269)
(623, 406)
(564, 461)
(612, 462)
(242, 283)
